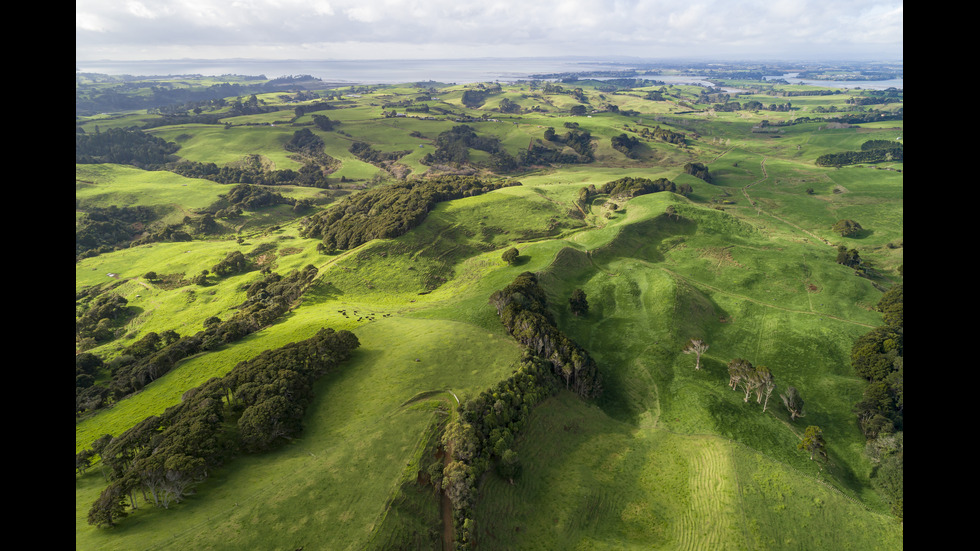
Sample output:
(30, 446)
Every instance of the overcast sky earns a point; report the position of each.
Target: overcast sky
(434, 29)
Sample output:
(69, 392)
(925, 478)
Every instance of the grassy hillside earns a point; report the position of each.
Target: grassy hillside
(668, 457)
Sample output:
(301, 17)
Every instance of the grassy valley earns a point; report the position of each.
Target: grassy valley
(215, 232)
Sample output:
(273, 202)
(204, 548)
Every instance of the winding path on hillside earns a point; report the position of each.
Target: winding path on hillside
(445, 505)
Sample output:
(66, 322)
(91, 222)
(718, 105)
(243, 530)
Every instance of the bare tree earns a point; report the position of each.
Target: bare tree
(749, 382)
(697, 347)
(765, 384)
(793, 402)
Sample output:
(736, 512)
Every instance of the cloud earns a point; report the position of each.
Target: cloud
(413, 28)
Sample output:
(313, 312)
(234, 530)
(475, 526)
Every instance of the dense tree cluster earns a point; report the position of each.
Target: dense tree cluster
(86, 369)
(324, 123)
(877, 155)
(850, 258)
(868, 116)
(368, 154)
(630, 187)
(879, 144)
(252, 171)
(155, 355)
(626, 145)
(872, 100)
(125, 147)
(232, 264)
(578, 303)
(389, 211)
(752, 105)
(508, 106)
(579, 141)
(98, 318)
(872, 151)
(537, 154)
(511, 255)
(452, 145)
(306, 142)
(165, 456)
(846, 228)
(89, 101)
(252, 197)
(474, 98)
(102, 229)
(698, 170)
(878, 357)
(250, 106)
(662, 134)
(523, 310)
(301, 110)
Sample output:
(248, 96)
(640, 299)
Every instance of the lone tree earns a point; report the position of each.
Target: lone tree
(696, 347)
(793, 402)
(846, 228)
(813, 442)
(510, 255)
(578, 302)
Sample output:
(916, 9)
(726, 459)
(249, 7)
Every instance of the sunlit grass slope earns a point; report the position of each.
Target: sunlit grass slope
(592, 482)
(653, 282)
(327, 489)
(667, 458)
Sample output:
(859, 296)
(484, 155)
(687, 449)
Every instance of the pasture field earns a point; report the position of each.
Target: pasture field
(668, 457)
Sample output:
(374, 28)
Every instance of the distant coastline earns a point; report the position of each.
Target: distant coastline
(458, 71)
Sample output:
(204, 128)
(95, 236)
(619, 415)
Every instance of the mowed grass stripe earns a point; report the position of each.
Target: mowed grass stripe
(709, 523)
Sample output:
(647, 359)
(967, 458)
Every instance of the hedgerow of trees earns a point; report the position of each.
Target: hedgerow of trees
(368, 154)
(523, 310)
(389, 211)
(154, 355)
(854, 157)
(250, 171)
(257, 405)
(878, 357)
(482, 436)
(872, 151)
